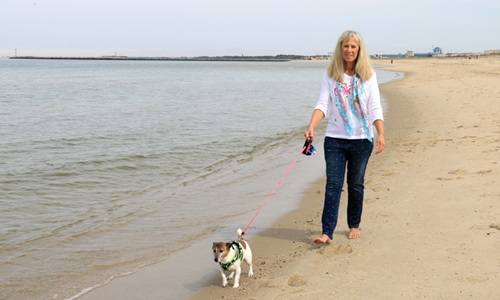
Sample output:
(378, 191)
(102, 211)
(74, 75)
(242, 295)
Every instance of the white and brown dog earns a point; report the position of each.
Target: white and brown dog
(230, 255)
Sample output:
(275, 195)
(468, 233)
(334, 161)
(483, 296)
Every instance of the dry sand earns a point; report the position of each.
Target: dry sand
(431, 223)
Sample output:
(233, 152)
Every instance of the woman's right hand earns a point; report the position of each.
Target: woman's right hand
(309, 134)
(317, 116)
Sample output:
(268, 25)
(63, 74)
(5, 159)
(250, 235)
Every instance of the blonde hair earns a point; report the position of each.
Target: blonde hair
(362, 66)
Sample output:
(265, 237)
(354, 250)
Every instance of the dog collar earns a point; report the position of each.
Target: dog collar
(238, 255)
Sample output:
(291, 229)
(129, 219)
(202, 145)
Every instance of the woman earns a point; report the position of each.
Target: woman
(350, 92)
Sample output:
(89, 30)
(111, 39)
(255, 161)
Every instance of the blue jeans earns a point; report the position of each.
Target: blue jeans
(339, 154)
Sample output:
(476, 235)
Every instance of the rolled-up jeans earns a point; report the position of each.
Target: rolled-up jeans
(339, 155)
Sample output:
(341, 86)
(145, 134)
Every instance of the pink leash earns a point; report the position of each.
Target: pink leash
(276, 187)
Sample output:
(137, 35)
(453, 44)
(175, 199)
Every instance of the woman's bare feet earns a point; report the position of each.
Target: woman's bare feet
(354, 233)
(323, 239)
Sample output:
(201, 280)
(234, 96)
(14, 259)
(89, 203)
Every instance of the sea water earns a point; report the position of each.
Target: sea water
(109, 166)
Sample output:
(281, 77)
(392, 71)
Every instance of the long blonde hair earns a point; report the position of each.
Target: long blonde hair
(362, 66)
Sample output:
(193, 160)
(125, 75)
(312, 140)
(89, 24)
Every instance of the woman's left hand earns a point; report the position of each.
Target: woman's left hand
(380, 145)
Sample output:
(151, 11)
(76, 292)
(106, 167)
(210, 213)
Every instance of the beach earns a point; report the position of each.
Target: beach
(431, 221)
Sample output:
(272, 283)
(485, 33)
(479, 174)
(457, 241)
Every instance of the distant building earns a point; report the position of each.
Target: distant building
(410, 54)
(437, 50)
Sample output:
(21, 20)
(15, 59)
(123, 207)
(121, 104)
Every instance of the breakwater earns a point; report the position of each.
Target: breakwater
(277, 58)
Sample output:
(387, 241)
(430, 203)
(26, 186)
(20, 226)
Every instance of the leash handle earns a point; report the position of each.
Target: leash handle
(275, 188)
(307, 146)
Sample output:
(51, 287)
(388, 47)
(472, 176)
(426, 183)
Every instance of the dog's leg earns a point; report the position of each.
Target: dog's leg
(224, 279)
(237, 277)
(230, 275)
(248, 259)
(250, 271)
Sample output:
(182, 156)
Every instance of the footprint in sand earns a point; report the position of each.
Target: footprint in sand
(463, 249)
(491, 195)
(390, 174)
(459, 172)
(449, 178)
(486, 227)
(332, 250)
(369, 200)
(495, 226)
(297, 280)
(491, 150)
(484, 172)
(465, 172)
(473, 278)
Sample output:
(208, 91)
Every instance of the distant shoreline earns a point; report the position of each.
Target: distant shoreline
(279, 58)
(276, 58)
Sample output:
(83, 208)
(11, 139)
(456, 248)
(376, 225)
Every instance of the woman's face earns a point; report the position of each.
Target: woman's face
(350, 49)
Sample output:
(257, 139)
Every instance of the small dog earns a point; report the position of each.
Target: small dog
(230, 255)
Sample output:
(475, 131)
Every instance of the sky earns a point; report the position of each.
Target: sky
(175, 28)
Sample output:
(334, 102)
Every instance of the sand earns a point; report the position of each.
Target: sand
(431, 221)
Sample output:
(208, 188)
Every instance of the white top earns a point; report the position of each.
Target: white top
(371, 96)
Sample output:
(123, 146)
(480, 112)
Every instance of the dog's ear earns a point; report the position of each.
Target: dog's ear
(215, 243)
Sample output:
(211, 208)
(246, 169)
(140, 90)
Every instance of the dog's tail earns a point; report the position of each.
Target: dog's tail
(240, 233)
